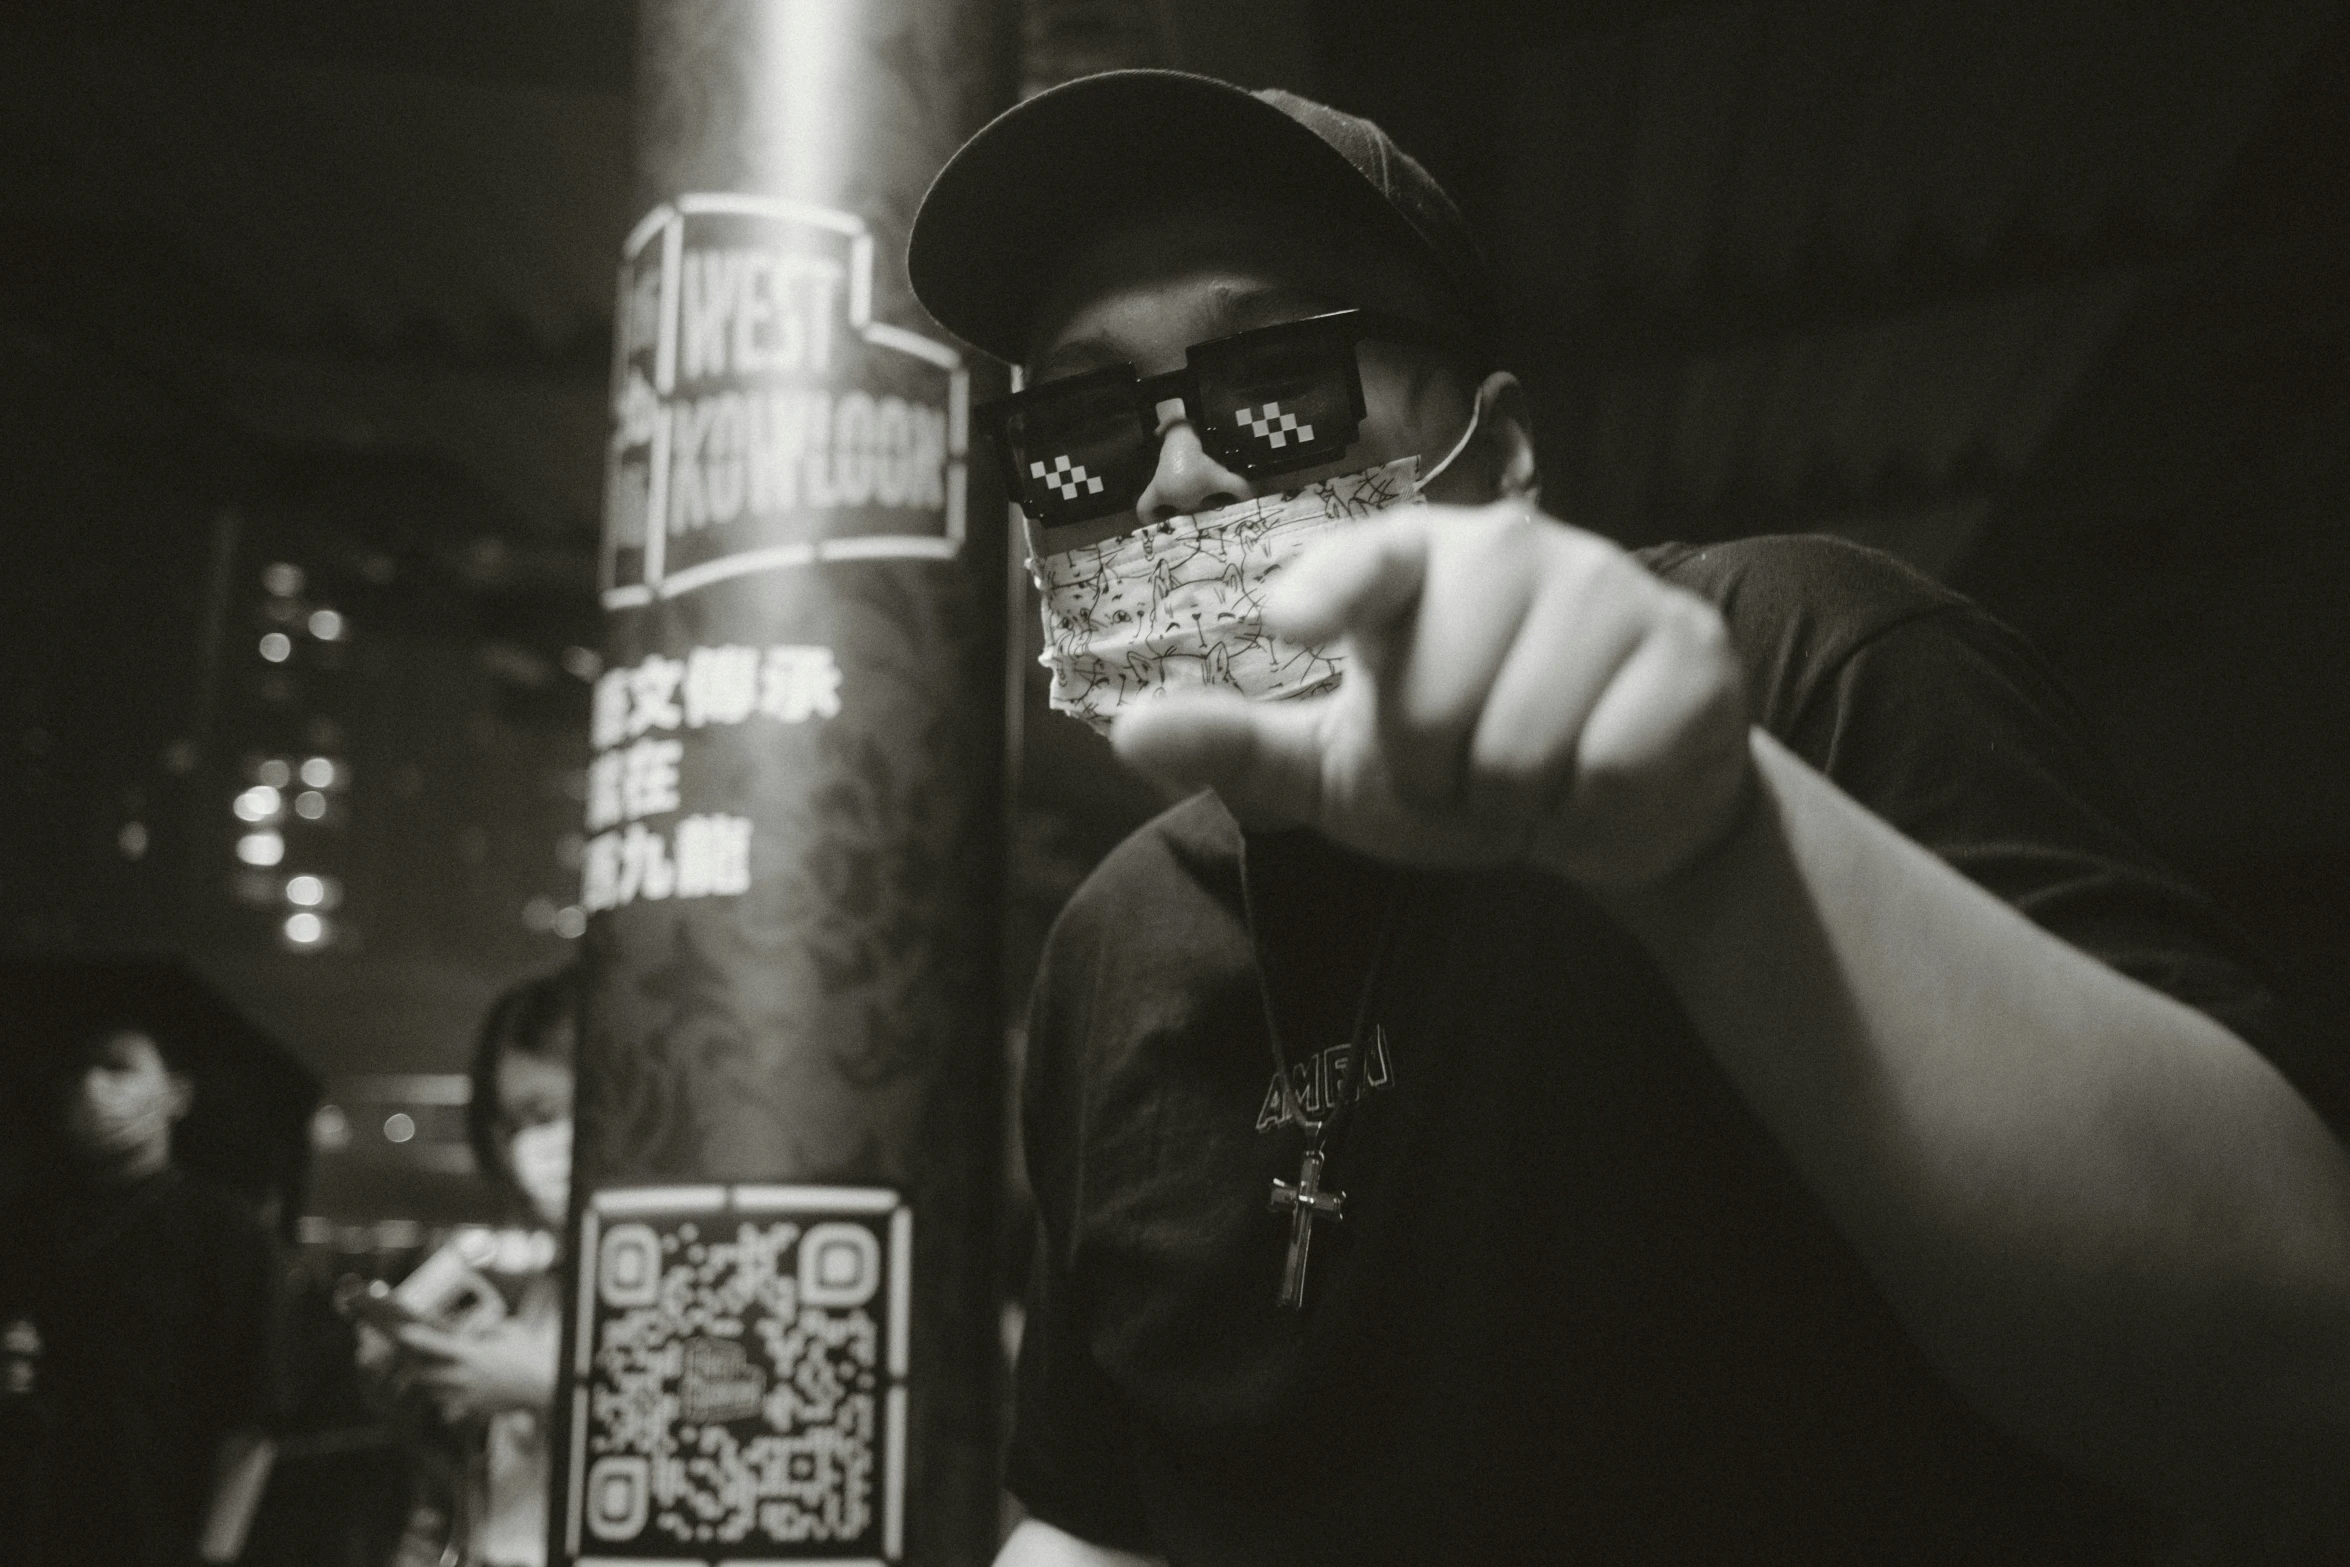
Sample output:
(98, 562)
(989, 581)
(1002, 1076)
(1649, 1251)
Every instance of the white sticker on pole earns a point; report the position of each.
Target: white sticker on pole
(742, 1375)
(762, 420)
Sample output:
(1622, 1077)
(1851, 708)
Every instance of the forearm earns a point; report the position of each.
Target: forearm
(240, 1473)
(1036, 1543)
(2113, 1225)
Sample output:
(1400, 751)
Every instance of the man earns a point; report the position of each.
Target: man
(138, 1308)
(1740, 1097)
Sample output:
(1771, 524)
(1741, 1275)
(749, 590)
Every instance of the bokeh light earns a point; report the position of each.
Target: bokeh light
(319, 772)
(277, 647)
(274, 772)
(310, 805)
(305, 929)
(282, 578)
(261, 848)
(305, 891)
(330, 1129)
(326, 625)
(260, 803)
(399, 1127)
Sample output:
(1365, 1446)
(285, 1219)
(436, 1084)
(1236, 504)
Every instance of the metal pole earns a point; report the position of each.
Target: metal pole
(781, 1340)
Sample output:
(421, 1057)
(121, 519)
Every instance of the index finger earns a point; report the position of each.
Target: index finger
(1359, 580)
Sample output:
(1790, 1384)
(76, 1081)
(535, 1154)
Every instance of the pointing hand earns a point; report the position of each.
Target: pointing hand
(1516, 691)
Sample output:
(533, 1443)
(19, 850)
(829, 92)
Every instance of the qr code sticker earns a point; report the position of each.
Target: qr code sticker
(741, 1362)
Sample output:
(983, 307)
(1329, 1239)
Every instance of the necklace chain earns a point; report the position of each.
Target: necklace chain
(1307, 1201)
(1292, 1111)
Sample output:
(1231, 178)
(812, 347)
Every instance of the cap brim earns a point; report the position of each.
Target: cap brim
(1020, 200)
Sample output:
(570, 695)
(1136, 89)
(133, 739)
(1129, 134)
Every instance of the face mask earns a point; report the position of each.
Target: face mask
(542, 1167)
(120, 1113)
(1180, 604)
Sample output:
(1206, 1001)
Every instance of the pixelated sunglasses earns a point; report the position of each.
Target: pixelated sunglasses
(1265, 401)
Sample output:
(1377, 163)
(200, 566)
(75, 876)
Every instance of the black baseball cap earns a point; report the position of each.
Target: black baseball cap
(1019, 199)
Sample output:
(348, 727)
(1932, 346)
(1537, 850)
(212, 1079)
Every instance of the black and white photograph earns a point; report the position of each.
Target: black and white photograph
(1175, 783)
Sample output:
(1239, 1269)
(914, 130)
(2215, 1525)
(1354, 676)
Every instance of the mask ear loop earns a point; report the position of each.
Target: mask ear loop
(1476, 413)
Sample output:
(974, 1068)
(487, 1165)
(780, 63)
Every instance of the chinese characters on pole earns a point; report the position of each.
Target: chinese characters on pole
(646, 842)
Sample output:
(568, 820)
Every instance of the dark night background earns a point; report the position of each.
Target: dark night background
(2045, 297)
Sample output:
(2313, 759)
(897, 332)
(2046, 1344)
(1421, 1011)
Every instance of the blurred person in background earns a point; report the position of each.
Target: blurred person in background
(500, 1379)
(137, 1307)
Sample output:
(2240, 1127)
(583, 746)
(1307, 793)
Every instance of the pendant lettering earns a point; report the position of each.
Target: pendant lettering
(1318, 1084)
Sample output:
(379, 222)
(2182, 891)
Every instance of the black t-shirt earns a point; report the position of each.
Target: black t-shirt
(1580, 1307)
(152, 1306)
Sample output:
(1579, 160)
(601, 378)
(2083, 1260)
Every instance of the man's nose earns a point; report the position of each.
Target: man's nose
(1187, 479)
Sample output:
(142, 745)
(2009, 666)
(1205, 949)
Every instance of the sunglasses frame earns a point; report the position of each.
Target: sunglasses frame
(995, 417)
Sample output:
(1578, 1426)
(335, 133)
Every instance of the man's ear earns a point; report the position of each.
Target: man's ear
(1509, 434)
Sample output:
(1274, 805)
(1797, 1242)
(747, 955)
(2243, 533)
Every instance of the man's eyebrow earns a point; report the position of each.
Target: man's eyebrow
(1264, 306)
(1076, 356)
(1234, 309)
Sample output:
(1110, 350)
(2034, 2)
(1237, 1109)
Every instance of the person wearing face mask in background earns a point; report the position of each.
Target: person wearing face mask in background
(501, 1378)
(136, 1315)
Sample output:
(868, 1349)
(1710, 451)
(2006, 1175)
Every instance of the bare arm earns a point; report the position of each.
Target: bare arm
(1038, 1544)
(2109, 1220)
(240, 1473)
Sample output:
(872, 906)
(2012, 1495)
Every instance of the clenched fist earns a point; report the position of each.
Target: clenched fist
(1517, 691)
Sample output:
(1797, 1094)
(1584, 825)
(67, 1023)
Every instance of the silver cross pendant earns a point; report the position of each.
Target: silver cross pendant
(1305, 1202)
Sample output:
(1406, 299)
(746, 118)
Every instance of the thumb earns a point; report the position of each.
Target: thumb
(1263, 759)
